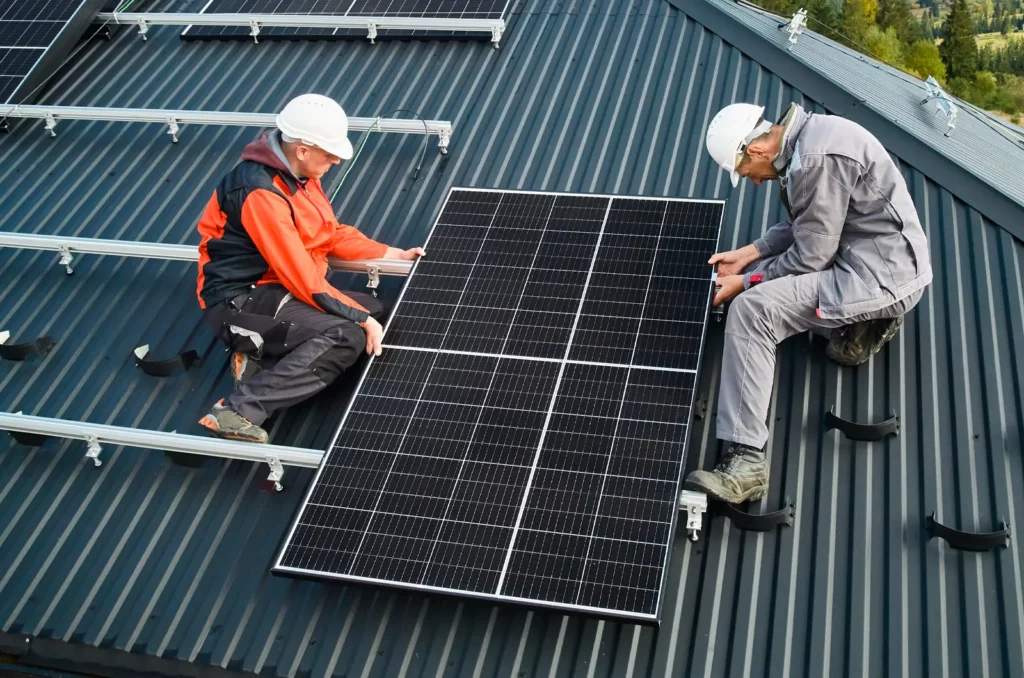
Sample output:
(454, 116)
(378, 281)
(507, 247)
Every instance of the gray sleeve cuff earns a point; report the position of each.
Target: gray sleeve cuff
(761, 245)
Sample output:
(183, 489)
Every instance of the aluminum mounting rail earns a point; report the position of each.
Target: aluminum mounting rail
(254, 22)
(97, 435)
(174, 119)
(69, 246)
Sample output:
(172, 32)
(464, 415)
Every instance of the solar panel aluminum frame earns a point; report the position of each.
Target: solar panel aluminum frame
(55, 53)
(600, 613)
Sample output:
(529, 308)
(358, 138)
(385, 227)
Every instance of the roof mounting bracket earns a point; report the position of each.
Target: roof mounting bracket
(143, 28)
(857, 431)
(65, 259)
(496, 32)
(444, 135)
(969, 541)
(371, 32)
(51, 123)
(694, 504)
(796, 26)
(273, 481)
(164, 368)
(373, 278)
(757, 522)
(27, 438)
(943, 103)
(94, 449)
(40, 346)
(173, 129)
(254, 30)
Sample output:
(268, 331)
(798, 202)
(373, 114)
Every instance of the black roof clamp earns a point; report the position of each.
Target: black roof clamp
(164, 368)
(40, 346)
(968, 541)
(857, 431)
(28, 439)
(757, 522)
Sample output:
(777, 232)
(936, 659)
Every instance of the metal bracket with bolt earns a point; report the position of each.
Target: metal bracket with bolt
(273, 480)
(94, 449)
(66, 258)
(695, 504)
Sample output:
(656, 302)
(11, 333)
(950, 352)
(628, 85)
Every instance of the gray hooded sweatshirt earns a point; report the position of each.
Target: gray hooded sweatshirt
(851, 217)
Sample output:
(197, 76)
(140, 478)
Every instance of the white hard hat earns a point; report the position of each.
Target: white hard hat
(318, 121)
(732, 129)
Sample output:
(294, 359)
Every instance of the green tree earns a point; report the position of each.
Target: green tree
(896, 14)
(927, 31)
(922, 59)
(857, 16)
(959, 51)
(884, 45)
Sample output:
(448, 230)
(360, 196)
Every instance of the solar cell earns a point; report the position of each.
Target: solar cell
(522, 436)
(434, 9)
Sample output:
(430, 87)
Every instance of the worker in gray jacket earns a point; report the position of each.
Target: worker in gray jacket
(850, 261)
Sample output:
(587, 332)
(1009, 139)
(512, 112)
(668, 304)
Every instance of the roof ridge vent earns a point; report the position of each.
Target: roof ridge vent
(943, 103)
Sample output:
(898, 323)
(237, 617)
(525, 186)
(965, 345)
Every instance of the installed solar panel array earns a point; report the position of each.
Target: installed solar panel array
(434, 9)
(27, 30)
(521, 437)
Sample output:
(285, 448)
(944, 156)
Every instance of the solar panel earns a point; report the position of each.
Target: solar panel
(34, 38)
(434, 9)
(521, 437)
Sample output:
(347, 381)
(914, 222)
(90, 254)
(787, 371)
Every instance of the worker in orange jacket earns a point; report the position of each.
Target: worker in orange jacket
(266, 235)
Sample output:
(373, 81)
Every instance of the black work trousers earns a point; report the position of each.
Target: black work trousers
(301, 349)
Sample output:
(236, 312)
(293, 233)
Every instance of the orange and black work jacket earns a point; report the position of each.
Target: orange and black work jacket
(265, 226)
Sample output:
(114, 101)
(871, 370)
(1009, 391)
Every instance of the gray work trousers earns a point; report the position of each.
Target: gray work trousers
(758, 320)
(315, 350)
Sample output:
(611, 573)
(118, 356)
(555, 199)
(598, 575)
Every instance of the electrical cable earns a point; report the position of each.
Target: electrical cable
(362, 143)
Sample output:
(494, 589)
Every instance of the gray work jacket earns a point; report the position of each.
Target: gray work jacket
(851, 217)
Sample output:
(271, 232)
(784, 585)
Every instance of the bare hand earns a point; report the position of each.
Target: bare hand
(733, 263)
(405, 255)
(374, 336)
(728, 286)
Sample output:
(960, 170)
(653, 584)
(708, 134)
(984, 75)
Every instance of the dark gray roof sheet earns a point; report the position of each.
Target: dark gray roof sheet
(148, 565)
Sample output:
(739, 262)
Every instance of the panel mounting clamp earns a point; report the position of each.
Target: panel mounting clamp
(694, 504)
(857, 431)
(757, 522)
(968, 541)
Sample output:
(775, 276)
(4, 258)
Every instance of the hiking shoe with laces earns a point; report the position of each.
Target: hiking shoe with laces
(855, 344)
(224, 422)
(243, 367)
(741, 475)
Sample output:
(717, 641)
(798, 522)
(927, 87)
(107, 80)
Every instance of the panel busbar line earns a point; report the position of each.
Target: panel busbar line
(521, 437)
(434, 9)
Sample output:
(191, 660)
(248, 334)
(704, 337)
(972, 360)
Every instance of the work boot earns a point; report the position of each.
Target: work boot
(244, 367)
(224, 422)
(855, 344)
(741, 475)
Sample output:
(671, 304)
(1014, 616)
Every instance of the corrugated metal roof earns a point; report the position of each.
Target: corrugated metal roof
(144, 564)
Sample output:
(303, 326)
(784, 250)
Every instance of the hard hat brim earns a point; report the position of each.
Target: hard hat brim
(342, 149)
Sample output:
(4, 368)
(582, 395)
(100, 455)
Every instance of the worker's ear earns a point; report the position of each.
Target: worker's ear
(758, 150)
